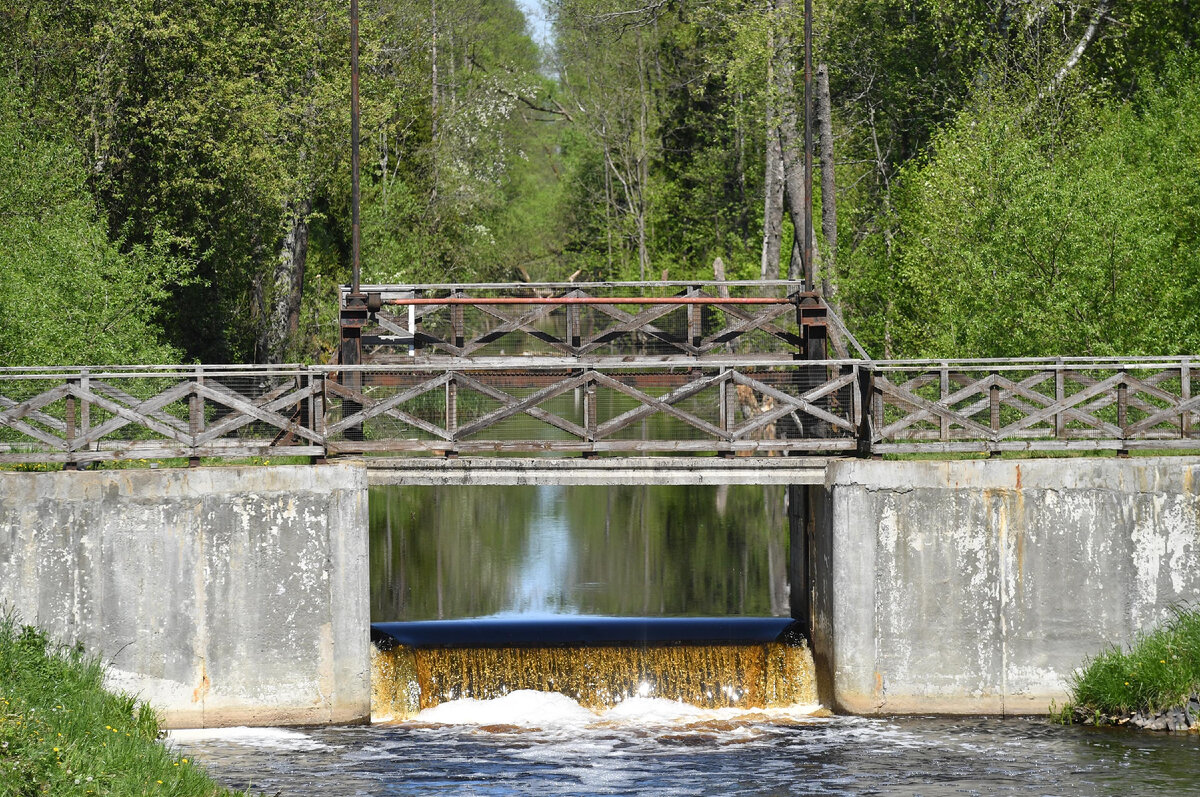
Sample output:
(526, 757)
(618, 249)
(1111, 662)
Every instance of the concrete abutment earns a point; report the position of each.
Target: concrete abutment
(224, 596)
(979, 586)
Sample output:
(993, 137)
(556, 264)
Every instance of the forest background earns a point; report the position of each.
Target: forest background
(995, 177)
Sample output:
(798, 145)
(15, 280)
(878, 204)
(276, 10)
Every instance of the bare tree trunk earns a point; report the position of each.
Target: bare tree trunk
(829, 283)
(783, 120)
(288, 283)
(643, 158)
(772, 204)
(433, 100)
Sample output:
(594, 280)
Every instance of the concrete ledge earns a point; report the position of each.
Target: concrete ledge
(600, 471)
(233, 595)
(980, 586)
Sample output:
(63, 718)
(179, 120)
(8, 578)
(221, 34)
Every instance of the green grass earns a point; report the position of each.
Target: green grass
(61, 733)
(1160, 670)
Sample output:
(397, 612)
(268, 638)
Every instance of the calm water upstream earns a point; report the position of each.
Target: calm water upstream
(520, 551)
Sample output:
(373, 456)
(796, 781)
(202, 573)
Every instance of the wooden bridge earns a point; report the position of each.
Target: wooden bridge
(727, 369)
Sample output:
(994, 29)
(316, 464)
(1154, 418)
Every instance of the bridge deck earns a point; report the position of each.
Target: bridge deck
(606, 471)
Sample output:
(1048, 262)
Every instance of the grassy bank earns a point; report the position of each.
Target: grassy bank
(1160, 670)
(61, 733)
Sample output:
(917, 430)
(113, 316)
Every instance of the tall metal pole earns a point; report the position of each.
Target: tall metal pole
(354, 191)
(810, 271)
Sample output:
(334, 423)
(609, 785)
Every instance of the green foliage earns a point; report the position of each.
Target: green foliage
(69, 295)
(1160, 670)
(1044, 226)
(61, 733)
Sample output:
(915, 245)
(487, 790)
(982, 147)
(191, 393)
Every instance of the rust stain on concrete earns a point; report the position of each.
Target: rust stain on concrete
(201, 691)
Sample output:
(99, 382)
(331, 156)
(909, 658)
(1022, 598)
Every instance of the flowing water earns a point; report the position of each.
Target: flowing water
(514, 705)
(534, 744)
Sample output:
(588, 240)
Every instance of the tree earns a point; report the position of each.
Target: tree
(67, 294)
(1044, 226)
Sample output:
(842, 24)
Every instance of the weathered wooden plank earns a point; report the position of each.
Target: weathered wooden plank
(43, 418)
(601, 446)
(931, 409)
(528, 405)
(650, 405)
(138, 414)
(789, 403)
(524, 323)
(1168, 413)
(749, 322)
(250, 412)
(641, 322)
(371, 407)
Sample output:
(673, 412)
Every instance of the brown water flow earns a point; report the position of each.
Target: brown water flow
(406, 680)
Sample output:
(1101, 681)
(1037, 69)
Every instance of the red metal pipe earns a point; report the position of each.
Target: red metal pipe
(590, 300)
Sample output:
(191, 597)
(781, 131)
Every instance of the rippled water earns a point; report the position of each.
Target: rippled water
(541, 744)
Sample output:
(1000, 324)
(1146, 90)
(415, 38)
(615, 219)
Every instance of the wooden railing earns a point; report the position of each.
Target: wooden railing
(695, 319)
(735, 404)
(1033, 404)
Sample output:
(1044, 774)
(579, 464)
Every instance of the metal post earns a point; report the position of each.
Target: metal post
(810, 272)
(355, 283)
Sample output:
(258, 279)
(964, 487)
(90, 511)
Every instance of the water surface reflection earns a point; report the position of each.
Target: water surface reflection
(444, 552)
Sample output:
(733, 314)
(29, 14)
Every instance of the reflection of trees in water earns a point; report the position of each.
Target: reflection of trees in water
(458, 552)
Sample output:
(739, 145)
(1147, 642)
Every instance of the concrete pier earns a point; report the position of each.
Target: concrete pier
(979, 586)
(224, 596)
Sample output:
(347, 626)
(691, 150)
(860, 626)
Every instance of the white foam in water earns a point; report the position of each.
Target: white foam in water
(524, 707)
(272, 738)
(532, 709)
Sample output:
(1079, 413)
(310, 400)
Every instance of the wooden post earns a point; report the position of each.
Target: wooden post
(944, 382)
(456, 320)
(1060, 396)
(573, 336)
(694, 318)
(353, 318)
(876, 411)
(452, 407)
(70, 435)
(994, 399)
(1185, 393)
(863, 406)
(1123, 413)
(195, 414)
(85, 406)
(589, 412)
(318, 421)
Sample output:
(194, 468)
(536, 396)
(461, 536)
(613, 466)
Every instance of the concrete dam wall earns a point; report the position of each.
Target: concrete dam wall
(224, 596)
(240, 595)
(979, 586)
